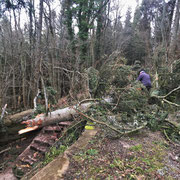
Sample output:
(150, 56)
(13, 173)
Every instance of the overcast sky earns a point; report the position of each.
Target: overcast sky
(128, 3)
(122, 4)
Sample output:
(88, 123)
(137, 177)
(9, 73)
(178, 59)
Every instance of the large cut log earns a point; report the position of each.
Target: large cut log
(54, 117)
(16, 118)
(11, 125)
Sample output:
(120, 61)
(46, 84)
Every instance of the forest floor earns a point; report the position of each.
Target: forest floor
(12, 151)
(141, 155)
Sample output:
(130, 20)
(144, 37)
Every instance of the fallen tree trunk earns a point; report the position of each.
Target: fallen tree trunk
(59, 115)
(11, 125)
(17, 118)
(15, 123)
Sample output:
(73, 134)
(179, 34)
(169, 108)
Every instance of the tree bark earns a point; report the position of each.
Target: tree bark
(56, 116)
(17, 118)
(175, 27)
(14, 123)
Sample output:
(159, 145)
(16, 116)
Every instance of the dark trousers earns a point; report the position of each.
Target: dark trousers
(148, 88)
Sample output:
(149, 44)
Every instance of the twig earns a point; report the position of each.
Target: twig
(171, 92)
(165, 100)
(70, 128)
(116, 104)
(162, 97)
(169, 102)
(171, 123)
(7, 149)
(88, 100)
(3, 111)
(99, 122)
(109, 126)
(168, 137)
(67, 70)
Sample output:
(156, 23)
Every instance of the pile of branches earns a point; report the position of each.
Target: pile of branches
(128, 106)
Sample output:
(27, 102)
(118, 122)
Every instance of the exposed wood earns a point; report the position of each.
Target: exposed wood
(28, 129)
(3, 111)
(56, 116)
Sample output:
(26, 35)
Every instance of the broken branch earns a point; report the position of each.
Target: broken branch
(3, 111)
(7, 149)
(165, 100)
(109, 126)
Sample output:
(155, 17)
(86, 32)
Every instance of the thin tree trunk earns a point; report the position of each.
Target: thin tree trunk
(175, 27)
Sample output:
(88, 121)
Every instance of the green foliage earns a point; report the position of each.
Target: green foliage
(73, 133)
(54, 152)
(67, 139)
(118, 164)
(51, 92)
(40, 109)
(156, 118)
(121, 76)
(172, 132)
(83, 11)
(176, 66)
(114, 75)
(136, 148)
(18, 172)
(169, 81)
(130, 107)
(93, 76)
(135, 47)
(92, 152)
(153, 122)
(142, 163)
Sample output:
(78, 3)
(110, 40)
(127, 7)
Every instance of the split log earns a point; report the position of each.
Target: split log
(59, 115)
(11, 126)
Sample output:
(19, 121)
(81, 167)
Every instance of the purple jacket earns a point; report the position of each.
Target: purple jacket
(144, 78)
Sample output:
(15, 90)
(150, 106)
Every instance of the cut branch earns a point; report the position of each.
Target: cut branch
(171, 92)
(165, 100)
(111, 127)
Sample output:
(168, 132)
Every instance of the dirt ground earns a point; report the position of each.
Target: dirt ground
(142, 155)
(139, 156)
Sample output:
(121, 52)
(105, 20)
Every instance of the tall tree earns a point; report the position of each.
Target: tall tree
(176, 29)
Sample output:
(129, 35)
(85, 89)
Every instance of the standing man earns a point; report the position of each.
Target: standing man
(145, 79)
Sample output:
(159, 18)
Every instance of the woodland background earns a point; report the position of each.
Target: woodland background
(53, 45)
